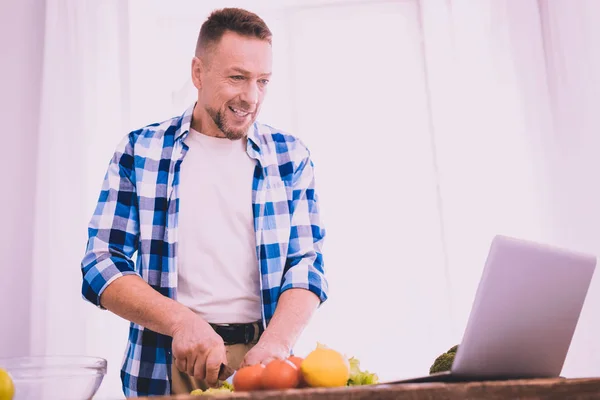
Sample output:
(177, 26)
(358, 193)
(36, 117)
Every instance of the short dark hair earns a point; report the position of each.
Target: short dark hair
(236, 20)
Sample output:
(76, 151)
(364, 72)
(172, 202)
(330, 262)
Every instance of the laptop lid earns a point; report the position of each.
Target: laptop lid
(525, 311)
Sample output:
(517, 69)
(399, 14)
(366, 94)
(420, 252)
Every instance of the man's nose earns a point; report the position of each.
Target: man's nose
(250, 94)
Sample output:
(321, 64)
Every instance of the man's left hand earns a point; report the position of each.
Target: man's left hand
(265, 351)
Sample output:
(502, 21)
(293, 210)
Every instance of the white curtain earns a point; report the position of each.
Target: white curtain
(433, 125)
(570, 32)
(83, 114)
(490, 116)
(21, 41)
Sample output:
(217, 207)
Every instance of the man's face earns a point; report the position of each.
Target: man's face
(232, 82)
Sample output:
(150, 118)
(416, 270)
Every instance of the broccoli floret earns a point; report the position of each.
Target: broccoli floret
(444, 361)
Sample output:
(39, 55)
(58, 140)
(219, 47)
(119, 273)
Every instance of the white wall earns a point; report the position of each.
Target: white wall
(21, 46)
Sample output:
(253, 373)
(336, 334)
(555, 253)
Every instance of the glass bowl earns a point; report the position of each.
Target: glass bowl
(50, 377)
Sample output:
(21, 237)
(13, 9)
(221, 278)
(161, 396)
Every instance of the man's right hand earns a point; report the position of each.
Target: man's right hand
(198, 350)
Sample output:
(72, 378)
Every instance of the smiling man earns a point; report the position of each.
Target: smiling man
(224, 217)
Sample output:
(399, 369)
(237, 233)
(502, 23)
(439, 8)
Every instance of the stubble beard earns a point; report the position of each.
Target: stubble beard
(220, 121)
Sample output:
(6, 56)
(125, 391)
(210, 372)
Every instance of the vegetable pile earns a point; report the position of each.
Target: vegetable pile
(322, 367)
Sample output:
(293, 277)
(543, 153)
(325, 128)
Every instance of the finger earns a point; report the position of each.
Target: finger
(245, 362)
(191, 362)
(213, 364)
(181, 364)
(249, 359)
(199, 368)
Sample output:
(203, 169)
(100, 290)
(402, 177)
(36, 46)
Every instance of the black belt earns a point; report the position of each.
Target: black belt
(239, 333)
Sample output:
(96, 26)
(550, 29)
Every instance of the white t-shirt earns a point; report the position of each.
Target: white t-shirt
(217, 266)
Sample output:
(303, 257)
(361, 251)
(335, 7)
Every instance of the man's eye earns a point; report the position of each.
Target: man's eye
(264, 82)
(237, 77)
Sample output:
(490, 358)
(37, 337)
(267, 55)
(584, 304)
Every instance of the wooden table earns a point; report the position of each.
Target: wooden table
(584, 388)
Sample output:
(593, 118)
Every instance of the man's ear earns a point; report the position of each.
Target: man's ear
(197, 72)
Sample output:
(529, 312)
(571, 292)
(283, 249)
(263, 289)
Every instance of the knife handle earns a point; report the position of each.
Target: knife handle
(225, 372)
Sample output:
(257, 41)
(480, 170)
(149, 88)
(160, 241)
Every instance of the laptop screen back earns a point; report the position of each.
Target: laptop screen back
(525, 311)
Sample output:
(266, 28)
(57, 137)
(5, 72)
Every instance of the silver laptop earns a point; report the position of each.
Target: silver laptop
(524, 314)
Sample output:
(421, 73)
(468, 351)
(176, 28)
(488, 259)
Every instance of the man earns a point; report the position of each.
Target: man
(223, 214)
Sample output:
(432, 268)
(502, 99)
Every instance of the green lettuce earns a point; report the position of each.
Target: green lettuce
(359, 377)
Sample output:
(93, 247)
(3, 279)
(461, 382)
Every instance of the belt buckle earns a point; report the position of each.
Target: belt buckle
(247, 335)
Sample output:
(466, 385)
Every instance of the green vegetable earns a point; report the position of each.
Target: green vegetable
(358, 377)
(444, 361)
(225, 388)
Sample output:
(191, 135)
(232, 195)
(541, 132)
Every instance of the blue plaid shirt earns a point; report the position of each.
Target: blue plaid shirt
(137, 211)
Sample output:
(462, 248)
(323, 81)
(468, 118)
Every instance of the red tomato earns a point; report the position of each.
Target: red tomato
(248, 378)
(298, 362)
(280, 374)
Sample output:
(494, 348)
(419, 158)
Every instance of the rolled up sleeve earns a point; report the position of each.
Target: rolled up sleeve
(304, 265)
(113, 231)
